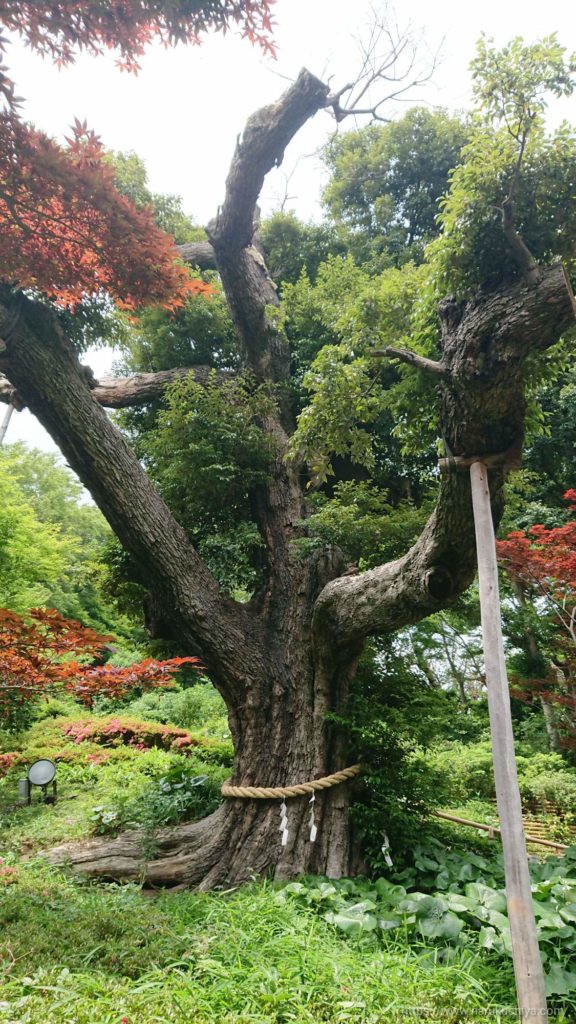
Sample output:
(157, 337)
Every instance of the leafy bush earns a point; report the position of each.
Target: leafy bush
(547, 779)
(199, 706)
(112, 732)
(177, 796)
(392, 717)
(467, 769)
(543, 778)
(55, 707)
(119, 731)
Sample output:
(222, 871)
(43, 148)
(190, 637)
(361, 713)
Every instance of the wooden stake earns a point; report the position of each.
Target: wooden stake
(525, 952)
(5, 422)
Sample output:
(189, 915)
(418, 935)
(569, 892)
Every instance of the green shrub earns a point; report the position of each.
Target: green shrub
(391, 718)
(557, 788)
(57, 707)
(469, 774)
(195, 707)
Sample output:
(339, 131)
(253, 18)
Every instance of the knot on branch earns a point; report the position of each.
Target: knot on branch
(451, 313)
(440, 583)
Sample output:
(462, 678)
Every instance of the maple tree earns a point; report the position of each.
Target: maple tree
(65, 231)
(541, 563)
(38, 657)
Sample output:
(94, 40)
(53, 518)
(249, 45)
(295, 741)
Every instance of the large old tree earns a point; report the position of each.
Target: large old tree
(283, 661)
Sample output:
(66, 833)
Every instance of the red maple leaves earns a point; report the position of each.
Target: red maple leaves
(543, 563)
(38, 656)
(65, 231)
(546, 559)
(59, 31)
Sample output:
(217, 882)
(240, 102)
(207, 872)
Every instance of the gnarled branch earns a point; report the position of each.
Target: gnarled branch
(485, 345)
(125, 392)
(250, 292)
(198, 254)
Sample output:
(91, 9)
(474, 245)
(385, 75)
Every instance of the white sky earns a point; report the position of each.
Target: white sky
(183, 112)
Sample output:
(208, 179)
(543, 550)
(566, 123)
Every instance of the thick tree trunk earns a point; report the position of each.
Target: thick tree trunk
(281, 737)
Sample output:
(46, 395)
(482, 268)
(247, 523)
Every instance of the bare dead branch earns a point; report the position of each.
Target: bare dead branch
(261, 147)
(390, 68)
(405, 355)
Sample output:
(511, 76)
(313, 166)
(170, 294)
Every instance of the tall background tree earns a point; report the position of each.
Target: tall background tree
(262, 421)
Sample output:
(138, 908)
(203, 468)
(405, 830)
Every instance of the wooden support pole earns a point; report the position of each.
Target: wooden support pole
(5, 422)
(525, 952)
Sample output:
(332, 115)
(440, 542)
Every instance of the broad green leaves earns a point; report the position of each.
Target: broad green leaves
(467, 915)
(513, 85)
(206, 453)
(510, 156)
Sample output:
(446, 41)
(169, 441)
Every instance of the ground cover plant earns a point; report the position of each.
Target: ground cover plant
(458, 899)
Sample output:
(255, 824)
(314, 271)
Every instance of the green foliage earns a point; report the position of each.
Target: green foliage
(472, 252)
(52, 543)
(386, 182)
(392, 717)
(510, 156)
(469, 774)
(357, 406)
(252, 955)
(33, 555)
(292, 247)
(194, 476)
(198, 333)
(206, 453)
(359, 518)
(513, 85)
(535, 495)
(199, 707)
(178, 796)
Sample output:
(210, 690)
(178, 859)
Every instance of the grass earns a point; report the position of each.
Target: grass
(83, 954)
(72, 952)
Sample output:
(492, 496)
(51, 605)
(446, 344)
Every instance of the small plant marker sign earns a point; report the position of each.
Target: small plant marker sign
(525, 952)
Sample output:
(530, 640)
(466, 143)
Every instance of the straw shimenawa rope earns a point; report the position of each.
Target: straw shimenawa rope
(285, 792)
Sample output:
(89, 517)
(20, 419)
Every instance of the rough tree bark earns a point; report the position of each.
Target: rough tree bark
(286, 659)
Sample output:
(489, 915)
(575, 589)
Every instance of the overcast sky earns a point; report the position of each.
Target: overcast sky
(184, 110)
